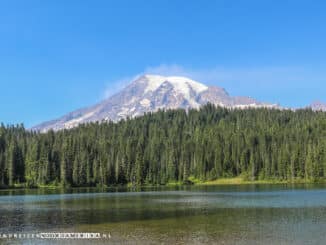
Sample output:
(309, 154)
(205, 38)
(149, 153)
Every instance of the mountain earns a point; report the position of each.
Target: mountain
(318, 106)
(150, 93)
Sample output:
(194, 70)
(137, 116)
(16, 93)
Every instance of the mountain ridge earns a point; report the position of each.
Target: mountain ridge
(318, 106)
(149, 93)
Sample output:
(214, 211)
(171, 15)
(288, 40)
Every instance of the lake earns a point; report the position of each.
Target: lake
(244, 214)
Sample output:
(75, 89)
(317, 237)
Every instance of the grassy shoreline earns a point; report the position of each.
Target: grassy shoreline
(242, 181)
(191, 182)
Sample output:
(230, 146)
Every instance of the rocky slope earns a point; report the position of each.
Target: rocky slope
(150, 93)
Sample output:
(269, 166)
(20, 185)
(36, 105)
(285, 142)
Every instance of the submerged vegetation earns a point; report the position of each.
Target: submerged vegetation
(170, 147)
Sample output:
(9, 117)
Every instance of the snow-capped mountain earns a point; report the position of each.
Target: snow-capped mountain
(150, 93)
(318, 106)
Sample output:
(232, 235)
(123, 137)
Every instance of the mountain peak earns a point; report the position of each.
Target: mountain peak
(318, 106)
(149, 93)
(182, 84)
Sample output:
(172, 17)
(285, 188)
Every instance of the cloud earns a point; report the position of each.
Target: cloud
(240, 80)
(267, 83)
(168, 70)
(267, 76)
(117, 85)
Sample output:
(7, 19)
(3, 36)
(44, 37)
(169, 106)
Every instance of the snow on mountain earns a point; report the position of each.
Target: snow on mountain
(150, 93)
(318, 106)
(181, 85)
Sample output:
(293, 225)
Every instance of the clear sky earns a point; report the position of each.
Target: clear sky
(57, 56)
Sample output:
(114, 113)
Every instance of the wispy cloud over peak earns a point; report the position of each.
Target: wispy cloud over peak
(267, 83)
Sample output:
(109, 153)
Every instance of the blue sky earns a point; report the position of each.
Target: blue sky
(57, 56)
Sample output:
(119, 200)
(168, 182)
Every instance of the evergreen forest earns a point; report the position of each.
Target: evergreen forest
(169, 146)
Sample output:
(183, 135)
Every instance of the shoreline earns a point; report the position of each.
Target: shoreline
(241, 181)
(192, 182)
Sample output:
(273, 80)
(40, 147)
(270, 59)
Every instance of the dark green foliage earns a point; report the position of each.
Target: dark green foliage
(171, 146)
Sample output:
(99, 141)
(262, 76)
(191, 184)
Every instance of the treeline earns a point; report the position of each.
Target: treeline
(169, 146)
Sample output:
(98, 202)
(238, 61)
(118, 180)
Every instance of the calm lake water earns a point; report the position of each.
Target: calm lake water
(246, 214)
